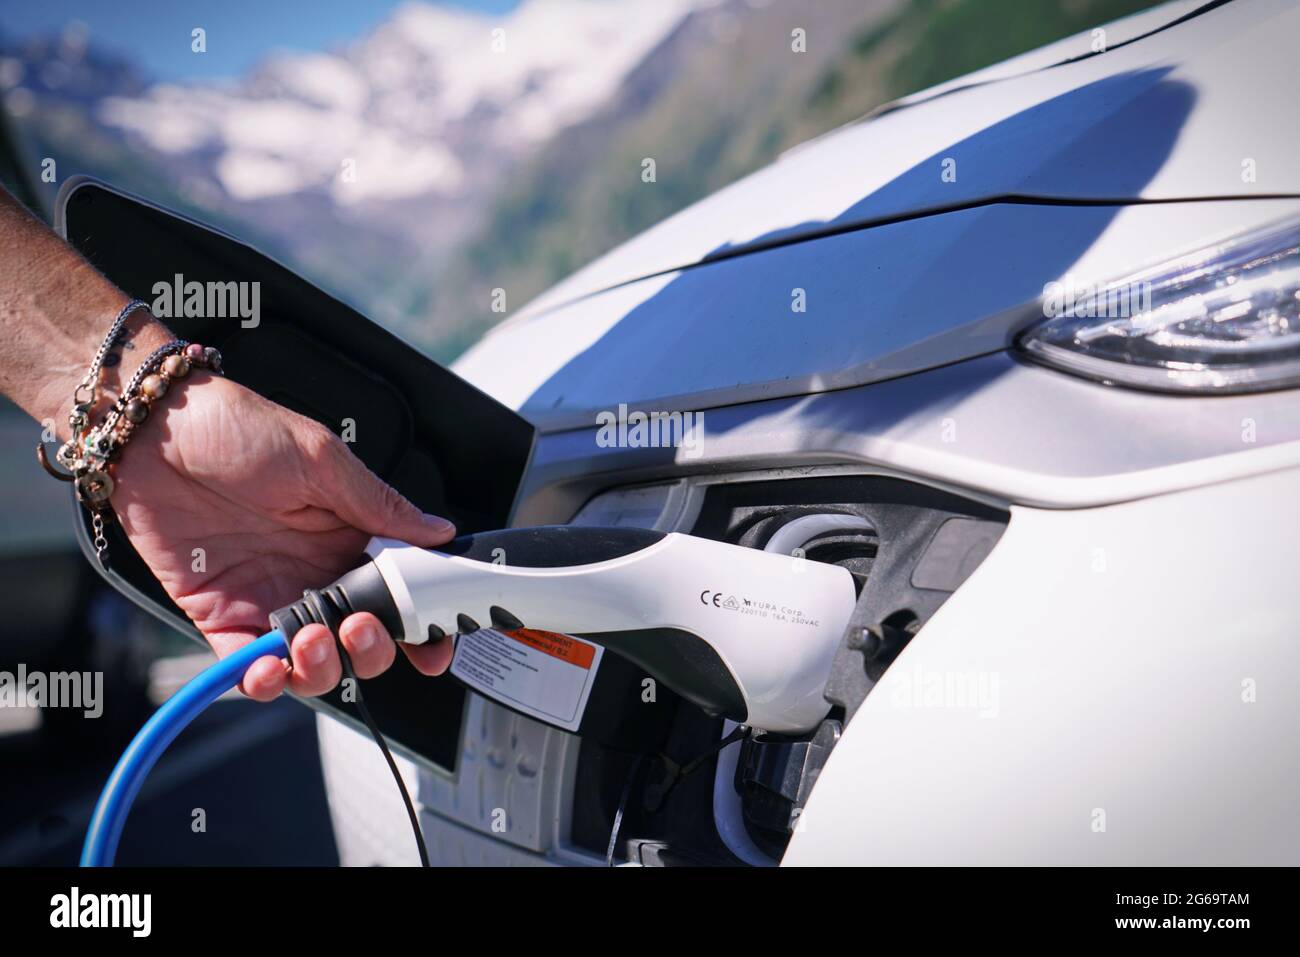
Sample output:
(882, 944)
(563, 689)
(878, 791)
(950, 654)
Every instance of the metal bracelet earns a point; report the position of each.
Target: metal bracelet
(91, 379)
(79, 417)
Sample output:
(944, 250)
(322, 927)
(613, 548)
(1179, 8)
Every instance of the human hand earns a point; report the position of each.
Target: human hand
(277, 503)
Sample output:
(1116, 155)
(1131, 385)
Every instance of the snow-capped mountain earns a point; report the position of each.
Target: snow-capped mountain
(364, 166)
(434, 101)
(447, 154)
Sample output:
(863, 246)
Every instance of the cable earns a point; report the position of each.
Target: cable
(618, 814)
(188, 703)
(655, 796)
(674, 772)
(152, 740)
(330, 617)
(375, 733)
(729, 811)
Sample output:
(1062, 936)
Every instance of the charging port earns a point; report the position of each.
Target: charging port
(908, 548)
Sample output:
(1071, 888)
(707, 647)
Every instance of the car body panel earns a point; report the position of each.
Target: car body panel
(991, 427)
(1141, 689)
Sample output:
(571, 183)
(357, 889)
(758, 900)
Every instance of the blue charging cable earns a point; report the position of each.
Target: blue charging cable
(161, 730)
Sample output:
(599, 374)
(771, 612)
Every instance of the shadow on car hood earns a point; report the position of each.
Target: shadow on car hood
(1168, 116)
(859, 307)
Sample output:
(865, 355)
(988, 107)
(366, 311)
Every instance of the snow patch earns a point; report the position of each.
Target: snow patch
(429, 94)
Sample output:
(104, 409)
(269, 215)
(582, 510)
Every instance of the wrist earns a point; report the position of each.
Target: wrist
(140, 335)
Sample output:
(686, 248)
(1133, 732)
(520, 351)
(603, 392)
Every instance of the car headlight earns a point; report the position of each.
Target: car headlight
(1224, 319)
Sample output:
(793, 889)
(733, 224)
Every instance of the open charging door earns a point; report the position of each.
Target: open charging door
(443, 444)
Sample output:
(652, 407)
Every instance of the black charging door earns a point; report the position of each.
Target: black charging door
(448, 447)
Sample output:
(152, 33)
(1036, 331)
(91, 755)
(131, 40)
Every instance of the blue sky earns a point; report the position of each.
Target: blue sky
(239, 32)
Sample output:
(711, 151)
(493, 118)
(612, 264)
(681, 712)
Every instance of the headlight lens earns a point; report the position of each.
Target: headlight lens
(1222, 320)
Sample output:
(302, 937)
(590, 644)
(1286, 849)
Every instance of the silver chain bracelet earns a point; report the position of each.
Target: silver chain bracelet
(79, 417)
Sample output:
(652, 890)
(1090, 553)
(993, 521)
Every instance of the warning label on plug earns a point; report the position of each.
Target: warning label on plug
(541, 673)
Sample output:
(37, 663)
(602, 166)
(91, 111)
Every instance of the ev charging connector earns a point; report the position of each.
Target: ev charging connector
(745, 634)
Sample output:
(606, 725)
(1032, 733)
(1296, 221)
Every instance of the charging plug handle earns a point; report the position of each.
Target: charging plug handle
(362, 589)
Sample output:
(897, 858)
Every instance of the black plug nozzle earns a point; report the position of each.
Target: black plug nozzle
(362, 589)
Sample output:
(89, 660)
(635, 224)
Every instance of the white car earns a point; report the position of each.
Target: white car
(1029, 344)
(1116, 682)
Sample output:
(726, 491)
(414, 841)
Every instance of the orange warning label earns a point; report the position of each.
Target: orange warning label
(557, 646)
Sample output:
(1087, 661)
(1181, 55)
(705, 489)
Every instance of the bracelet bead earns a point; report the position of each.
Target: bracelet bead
(176, 367)
(137, 410)
(154, 385)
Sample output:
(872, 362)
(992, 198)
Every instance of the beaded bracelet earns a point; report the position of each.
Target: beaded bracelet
(90, 452)
(150, 383)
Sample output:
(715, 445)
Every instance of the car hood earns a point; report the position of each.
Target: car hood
(982, 190)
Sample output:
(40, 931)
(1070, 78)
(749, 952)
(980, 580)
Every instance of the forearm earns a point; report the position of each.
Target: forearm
(54, 310)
